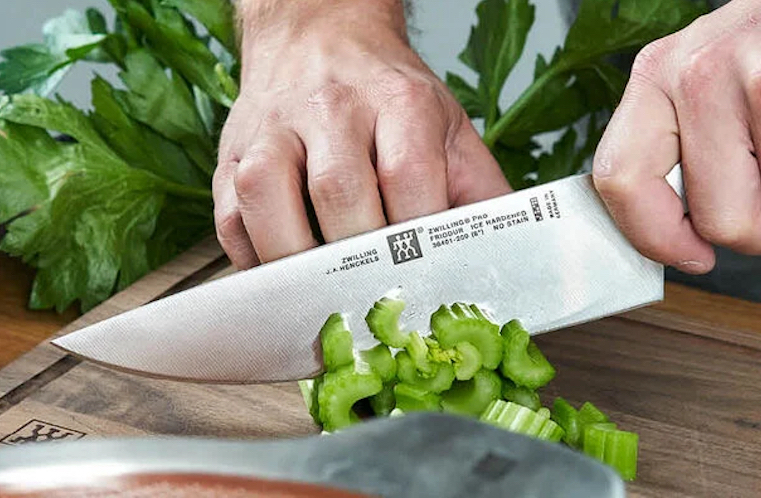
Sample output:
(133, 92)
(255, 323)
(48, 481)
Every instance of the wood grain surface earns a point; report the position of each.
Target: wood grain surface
(693, 396)
(21, 329)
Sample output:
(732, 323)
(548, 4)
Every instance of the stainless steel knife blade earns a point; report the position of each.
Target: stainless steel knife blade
(550, 256)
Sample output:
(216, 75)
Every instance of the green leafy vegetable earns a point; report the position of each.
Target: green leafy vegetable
(217, 15)
(578, 82)
(40, 67)
(494, 48)
(165, 105)
(176, 46)
(95, 200)
(91, 213)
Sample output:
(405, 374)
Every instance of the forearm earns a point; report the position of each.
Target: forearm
(287, 16)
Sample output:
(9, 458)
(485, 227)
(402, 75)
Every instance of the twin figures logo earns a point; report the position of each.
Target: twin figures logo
(36, 431)
(404, 246)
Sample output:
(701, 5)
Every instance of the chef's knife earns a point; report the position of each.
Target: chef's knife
(421, 455)
(550, 256)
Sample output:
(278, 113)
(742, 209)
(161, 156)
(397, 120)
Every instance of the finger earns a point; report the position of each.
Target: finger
(411, 161)
(231, 233)
(474, 173)
(638, 149)
(342, 183)
(270, 190)
(731, 213)
(722, 175)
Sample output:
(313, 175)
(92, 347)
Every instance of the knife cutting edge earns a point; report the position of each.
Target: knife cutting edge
(550, 256)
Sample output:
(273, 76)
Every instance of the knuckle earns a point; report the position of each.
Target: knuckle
(227, 226)
(695, 72)
(649, 61)
(336, 190)
(254, 172)
(272, 116)
(753, 87)
(408, 170)
(726, 228)
(614, 184)
(221, 176)
(414, 92)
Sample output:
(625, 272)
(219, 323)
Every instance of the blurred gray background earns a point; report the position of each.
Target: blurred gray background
(442, 30)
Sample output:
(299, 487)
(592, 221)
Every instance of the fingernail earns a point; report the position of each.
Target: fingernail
(692, 266)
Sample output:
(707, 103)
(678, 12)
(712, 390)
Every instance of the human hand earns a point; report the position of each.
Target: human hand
(336, 109)
(693, 97)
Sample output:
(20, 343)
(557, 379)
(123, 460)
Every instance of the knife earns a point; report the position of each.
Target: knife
(550, 256)
(425, 455)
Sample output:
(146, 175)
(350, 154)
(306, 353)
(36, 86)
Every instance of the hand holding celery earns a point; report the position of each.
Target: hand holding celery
(467, 366)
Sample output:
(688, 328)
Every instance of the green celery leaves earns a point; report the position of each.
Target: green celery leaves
(40, 67)
(494, 48)
(176, 46)
(127, 185)
(607, 27)
(91, 213)
(216, 15)
(166, 105)
(578, 83)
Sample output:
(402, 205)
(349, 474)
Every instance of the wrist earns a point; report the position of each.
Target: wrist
(293, 19)
(273, 32)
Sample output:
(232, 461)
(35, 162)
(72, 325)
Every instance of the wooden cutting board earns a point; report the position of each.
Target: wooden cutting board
(685, 374)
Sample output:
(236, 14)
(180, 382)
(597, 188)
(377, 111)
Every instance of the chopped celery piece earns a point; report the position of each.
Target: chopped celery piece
(575, 422)
(551, 431)
(523, 363)
(589, 414)
(471, 397)
(567, 417)
(381, 361)
(340, 390)
(418, 350)
(462, 323)
(337, 343)
(595, 443)
(383, 320)
(613, 447)
(396, 412)
(383, 402)
(543, 412)
(410, 398)
(438, 354)
(467, 361)
(517, 418)
(521, 395)
(440, 380)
